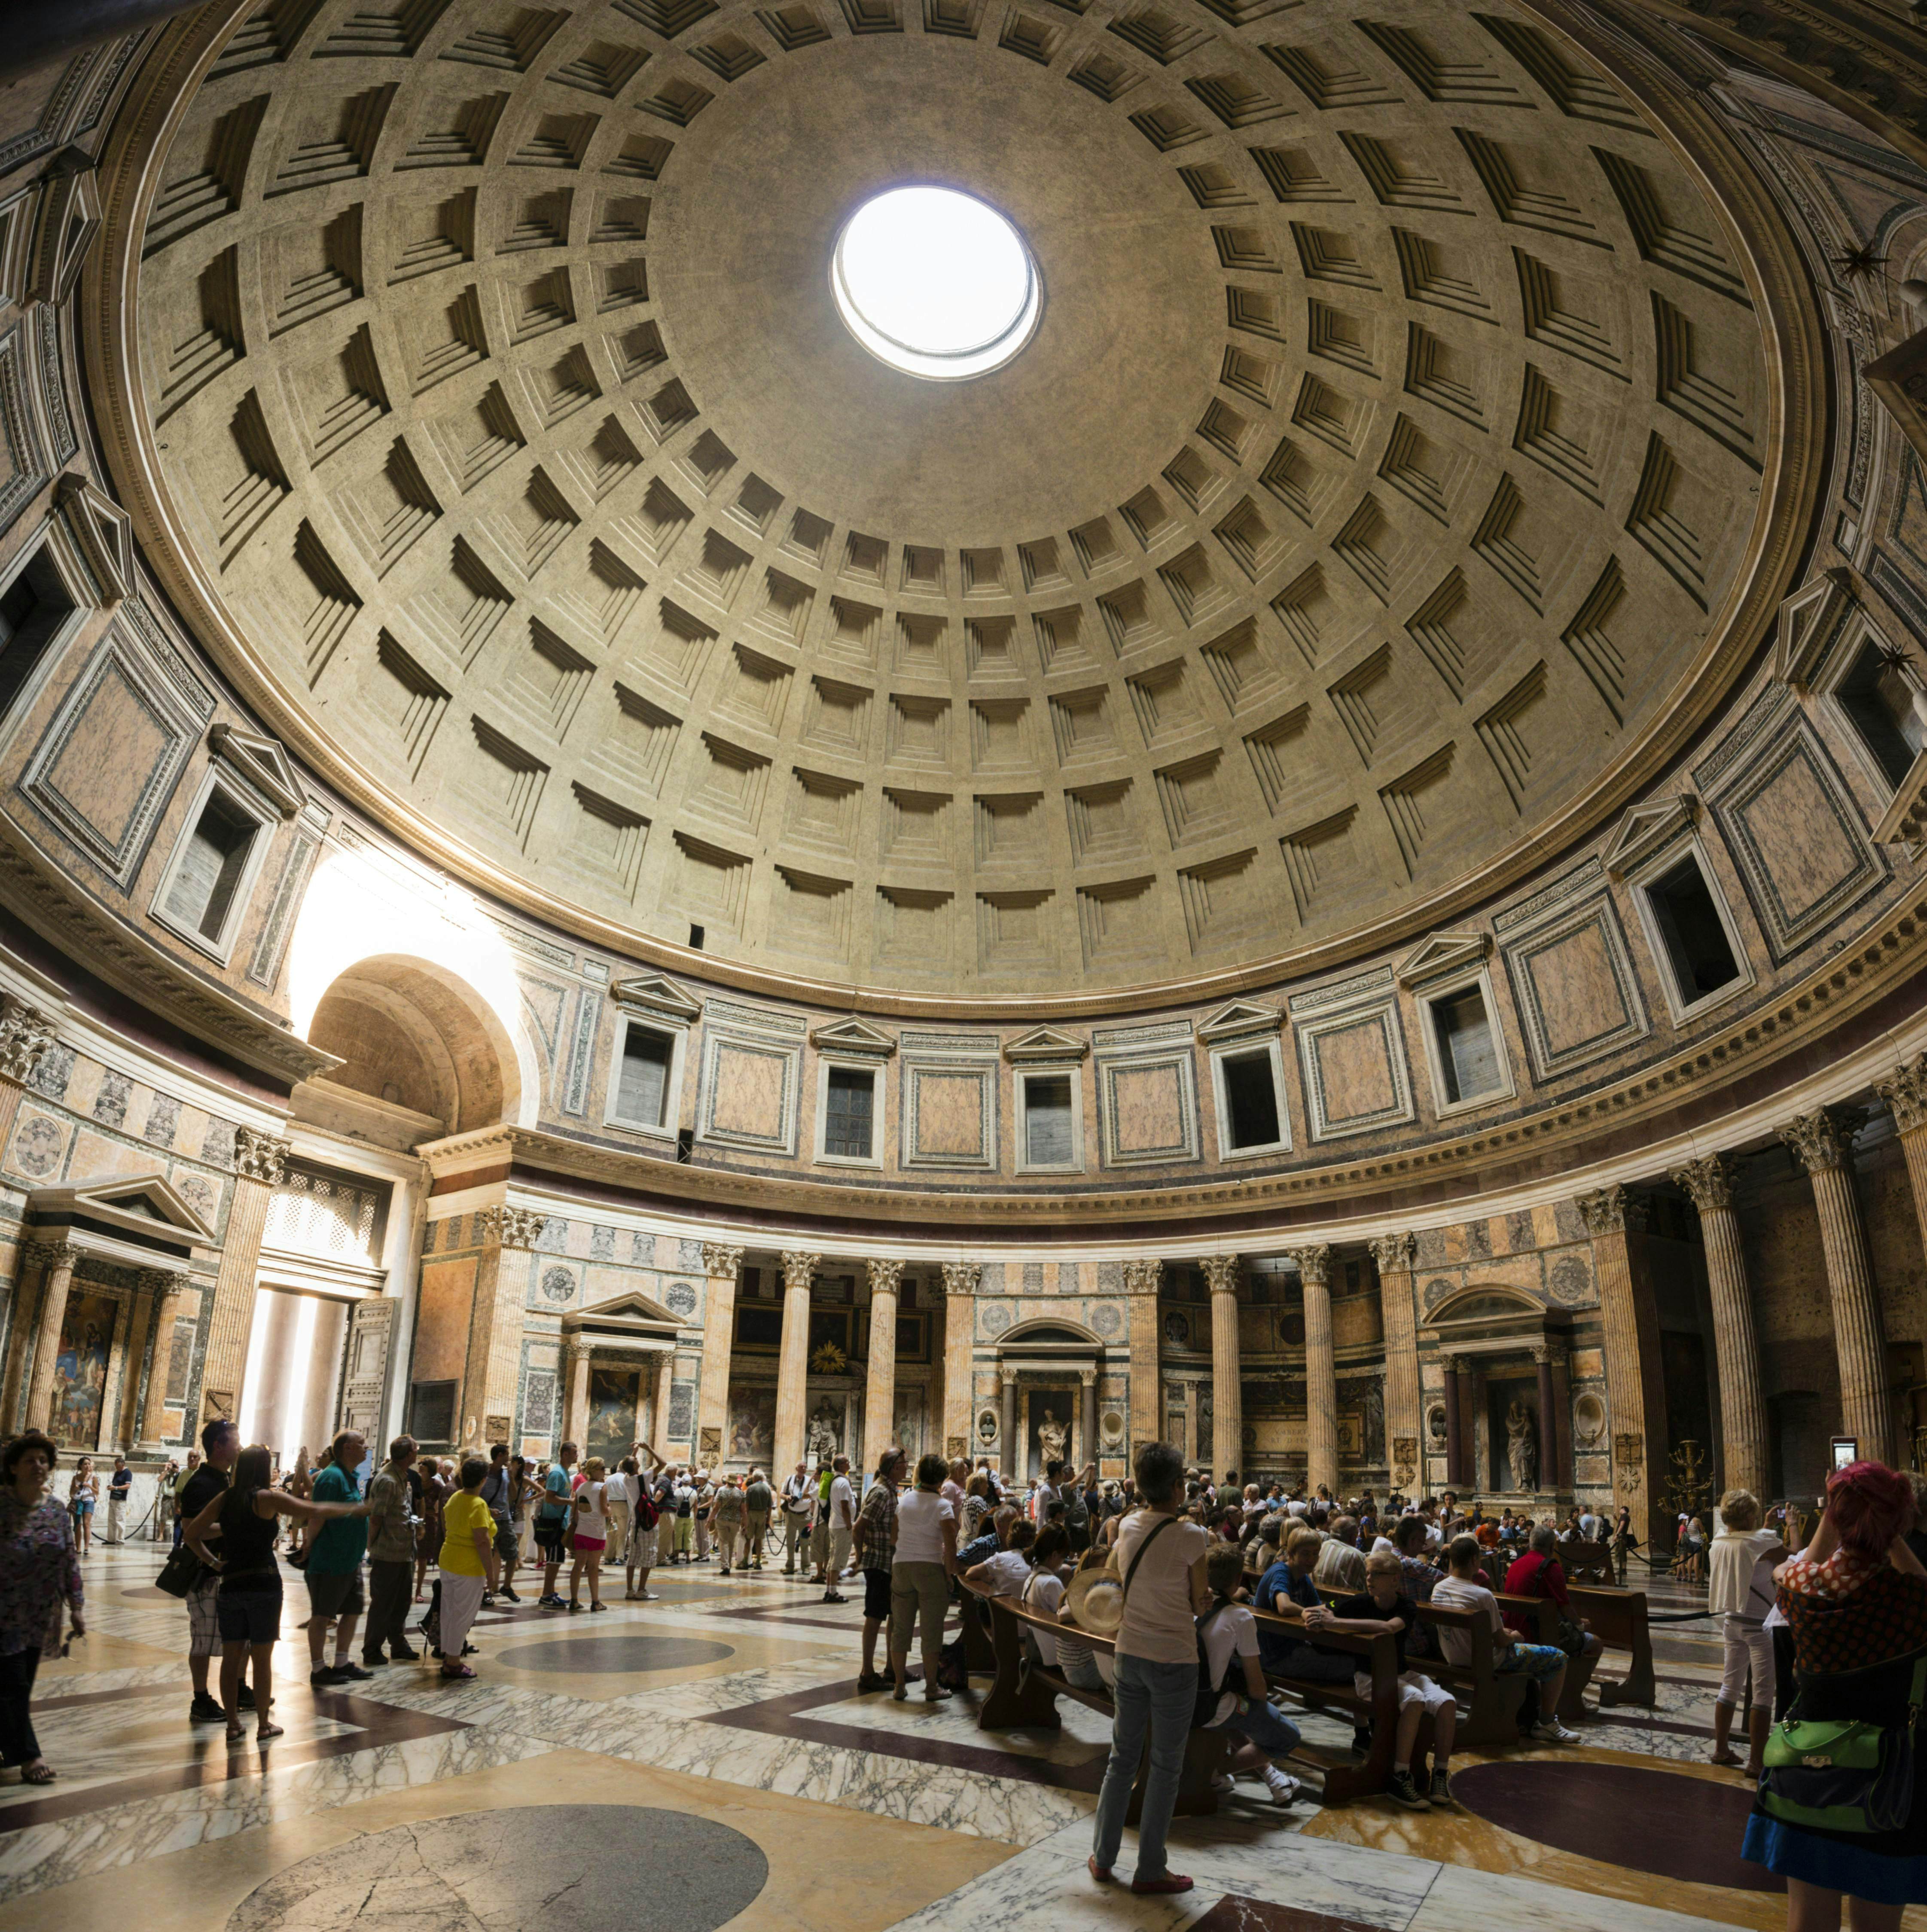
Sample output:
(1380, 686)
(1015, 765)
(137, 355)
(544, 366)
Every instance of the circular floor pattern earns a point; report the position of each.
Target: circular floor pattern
(620, 1650)
(147, 1593)
(1650, 1821)
(561, 1868)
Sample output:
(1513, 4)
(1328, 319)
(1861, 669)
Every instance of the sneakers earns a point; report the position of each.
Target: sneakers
(374, 1661)
(1440, 1793)
(508, 1596)
(326, 1679)
(1284, 1789)
(204, 1711)
(244, 1697)
(346, 1671)
(402, 1654)
(832, 1596)
(1552, 1732)
(551, 1603)
(1399, 1786)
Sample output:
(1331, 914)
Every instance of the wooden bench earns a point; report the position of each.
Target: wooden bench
(1345, 1777)
(1588, 1563)
(1024, 1694)
(1488, 1698)
(1618, 1619)
(1541, 1614)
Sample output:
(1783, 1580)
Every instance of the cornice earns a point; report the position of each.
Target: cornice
(1795, 449)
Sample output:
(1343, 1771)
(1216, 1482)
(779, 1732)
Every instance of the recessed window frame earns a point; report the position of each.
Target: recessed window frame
(851, 1063)
(1449, 986)
(1843, 663)
(46, 560)
(220, 781)
(1272, 1046)
(1657, 865)
(1025, 1071)
(677, 1033)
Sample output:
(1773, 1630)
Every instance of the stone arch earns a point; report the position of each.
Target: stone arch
(1046, 1328)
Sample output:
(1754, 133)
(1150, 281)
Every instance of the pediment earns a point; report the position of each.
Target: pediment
(652, 992)
(1808, 621)
(1439, 953)
(70, 220)
(1046, 1042)
(629, 1305)
(1645, 828)
(1237, 1018)
(143, 1204)
(104, 533)
(854, 1035)
(262, 762)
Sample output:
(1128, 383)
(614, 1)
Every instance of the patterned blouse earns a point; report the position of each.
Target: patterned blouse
(37, 1568)
(1849, 1615)
(878, 1516)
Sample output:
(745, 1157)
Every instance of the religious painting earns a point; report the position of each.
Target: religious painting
(753, 1425)
(80, 1368)
(609, 1430)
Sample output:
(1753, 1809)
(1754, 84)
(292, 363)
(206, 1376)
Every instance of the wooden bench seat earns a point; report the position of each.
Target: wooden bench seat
(1542, 1616)
(1618, 1618)
(1345, 1777)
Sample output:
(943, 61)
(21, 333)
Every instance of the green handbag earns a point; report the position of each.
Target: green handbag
(1844, 1775)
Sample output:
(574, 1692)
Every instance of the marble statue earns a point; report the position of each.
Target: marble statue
(820, 1440)
(1051, 1437)
(1522, 1445)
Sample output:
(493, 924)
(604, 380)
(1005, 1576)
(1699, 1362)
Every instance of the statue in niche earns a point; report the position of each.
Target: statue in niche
(1522, 1445)
(823, 1439)
(1053, 1437)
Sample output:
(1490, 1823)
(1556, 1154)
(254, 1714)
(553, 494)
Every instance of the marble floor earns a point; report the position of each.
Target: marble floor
(704, 1761)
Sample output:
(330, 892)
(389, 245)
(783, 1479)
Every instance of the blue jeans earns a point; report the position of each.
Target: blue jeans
(1273, 1733)
(1158, 1697)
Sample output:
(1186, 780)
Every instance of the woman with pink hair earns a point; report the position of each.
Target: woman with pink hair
(1856, 1600)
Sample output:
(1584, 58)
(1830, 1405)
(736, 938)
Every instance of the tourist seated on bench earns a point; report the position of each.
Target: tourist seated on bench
(1290, 1582)
(1043, 1593)
(1544, 1663)
(1005, 1573)
(1228, 1631)
(1340, 1562)
(989, 1539)
(1422, 1576)
(1383, 1609)
(1539, 1573)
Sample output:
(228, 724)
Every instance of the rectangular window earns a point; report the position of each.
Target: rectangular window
(211, 864)
(32, 608)
(1250, 1100)
(642, 1093)
(1694, 936)
(1468, 1055)
(846, 1115)
(1047, 1121)
(431, 1412)
(1880, 703)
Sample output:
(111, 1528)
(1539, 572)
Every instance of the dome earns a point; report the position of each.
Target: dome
(1376, 498)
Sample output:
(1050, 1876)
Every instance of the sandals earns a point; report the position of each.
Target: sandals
(235, 1735)
(455, 1676)
(598, 1607)
(39, 1774)
(261, 1731)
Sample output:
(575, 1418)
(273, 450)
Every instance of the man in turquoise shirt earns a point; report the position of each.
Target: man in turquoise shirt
(553, 1515)
(335, 1568)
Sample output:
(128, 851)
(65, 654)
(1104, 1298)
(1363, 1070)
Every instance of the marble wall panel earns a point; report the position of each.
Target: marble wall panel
(1149, 1108)
(1573, 982)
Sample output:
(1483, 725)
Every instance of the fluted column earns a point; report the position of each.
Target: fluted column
(960, 1334)
(166, 1313)
(1228, 1428)
(1321, 1369)
(1634, 1389)
(722, 1263)
(793, 1365)
(575, 1391)
(258, 1159)
(1142, 1278)
(1823, 1142)
(880, 1399)
(1395, 1255)
(493, 1368)
(55, 1260)
(1905, 1092)
(1742, 1407)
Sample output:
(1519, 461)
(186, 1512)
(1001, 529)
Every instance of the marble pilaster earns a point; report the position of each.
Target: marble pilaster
(1629, 1319)
(960, 1334)
(722, 1263)
(1321, 1372)
(1395, 1255)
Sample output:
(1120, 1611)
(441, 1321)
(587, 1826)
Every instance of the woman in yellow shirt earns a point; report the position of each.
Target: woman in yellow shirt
(468, 1563)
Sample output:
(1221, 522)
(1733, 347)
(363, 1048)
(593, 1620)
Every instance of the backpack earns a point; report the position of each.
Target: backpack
(1077, 1510)
(1205, 1707)
(646, 1514)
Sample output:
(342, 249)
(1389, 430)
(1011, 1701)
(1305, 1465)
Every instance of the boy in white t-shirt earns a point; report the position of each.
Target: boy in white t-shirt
(1244, 1706)
(1544, 1663)
(1006, 1573)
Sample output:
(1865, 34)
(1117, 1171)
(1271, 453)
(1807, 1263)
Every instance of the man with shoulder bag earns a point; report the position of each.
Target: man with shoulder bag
(798, 1504)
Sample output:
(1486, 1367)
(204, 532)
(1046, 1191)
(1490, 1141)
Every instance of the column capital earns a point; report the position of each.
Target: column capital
(1221, 1272)
(1823, 1139)
(1905, 1090)
(1709, 1180)
(574, 1349)
(1143, 1276)
(721, 1261)
(51, 1254)
(1314, 1263)
(26, 1033)
(157, 1281)
(961, 1277)
(885, 1276)
(512, 1227)
(259, 1157)
(1547, 1352)
(799, 1268)
(1395, 1254)
(1088, 1377)
(1610, 1210)
(1007, 1374)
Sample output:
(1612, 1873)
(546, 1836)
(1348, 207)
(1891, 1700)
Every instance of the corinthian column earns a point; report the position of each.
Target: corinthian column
(1142, 1278)
(1404, 1409)
(55, 1261)
(1227, 1430)
(722, 1264)
(258, 1159)
(1905, 1092)
(793, 1365)
(1742, 1408)
(960, 1334)
(1321, 1369)
(879, 1397)
(165, 1315)
(1630, 1325)
(1823, 1142)
(150, 1285)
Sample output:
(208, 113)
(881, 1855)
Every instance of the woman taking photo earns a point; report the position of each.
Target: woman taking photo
(38, 1574)
(1856, 1600)
(248, 1605)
